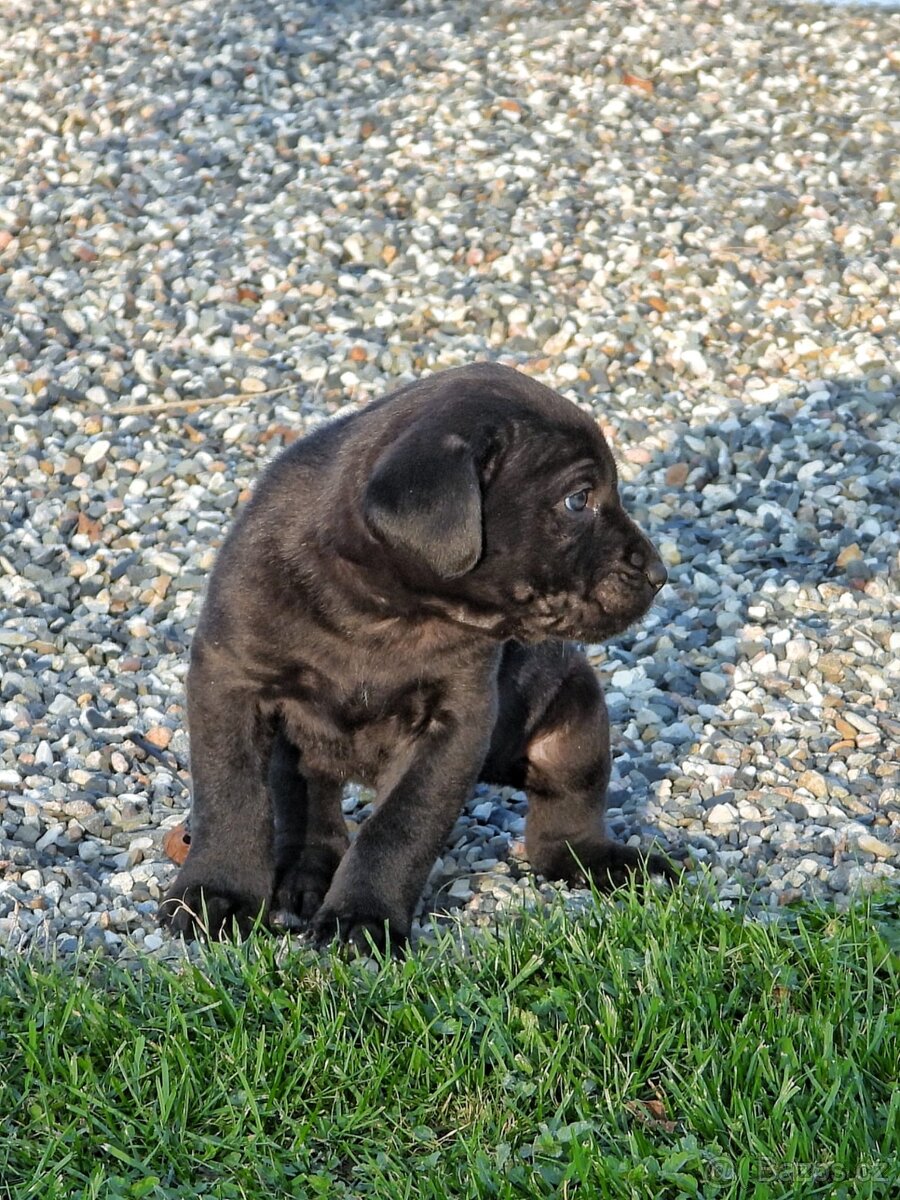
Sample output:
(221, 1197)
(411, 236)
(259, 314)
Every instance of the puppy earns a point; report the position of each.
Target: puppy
(393, 607)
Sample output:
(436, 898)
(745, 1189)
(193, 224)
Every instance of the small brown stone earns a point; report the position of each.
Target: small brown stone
(177, 844)
(844, 728)
(159, 736)
(88, 528)
(677, 474)
(813, 782)
(831, 667)
(849, 554)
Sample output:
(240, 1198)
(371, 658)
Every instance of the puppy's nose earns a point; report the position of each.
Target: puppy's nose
(651, 564)
(657, 573)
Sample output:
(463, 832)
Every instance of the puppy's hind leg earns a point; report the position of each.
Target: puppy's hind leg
(310, 832)
(552, 739)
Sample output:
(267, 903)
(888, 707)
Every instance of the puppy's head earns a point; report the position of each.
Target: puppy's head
(500, 501)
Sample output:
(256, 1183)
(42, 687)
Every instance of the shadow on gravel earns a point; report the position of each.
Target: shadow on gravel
(755, 705)
(752, 709)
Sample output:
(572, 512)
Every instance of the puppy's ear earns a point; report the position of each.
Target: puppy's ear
(424, 499)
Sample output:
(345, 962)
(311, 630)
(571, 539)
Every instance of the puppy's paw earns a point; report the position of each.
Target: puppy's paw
(210, 911)
(607, 865)
(361, 934)
(303, 884)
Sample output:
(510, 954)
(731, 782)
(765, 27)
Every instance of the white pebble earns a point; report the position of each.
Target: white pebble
(96, 451)
(766, 664)
(722, 814)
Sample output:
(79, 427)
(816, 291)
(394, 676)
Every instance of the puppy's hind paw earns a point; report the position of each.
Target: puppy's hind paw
(604, 864)
(303, 884)
(659, 864)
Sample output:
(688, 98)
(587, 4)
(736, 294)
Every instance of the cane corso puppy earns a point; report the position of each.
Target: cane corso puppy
(393, 606)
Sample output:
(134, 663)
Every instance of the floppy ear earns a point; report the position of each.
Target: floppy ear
(424, 498)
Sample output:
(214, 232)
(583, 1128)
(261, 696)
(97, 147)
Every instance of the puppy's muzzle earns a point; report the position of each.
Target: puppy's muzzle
(650, 565)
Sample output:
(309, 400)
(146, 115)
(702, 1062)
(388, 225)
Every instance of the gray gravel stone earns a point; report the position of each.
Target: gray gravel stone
(280, 214)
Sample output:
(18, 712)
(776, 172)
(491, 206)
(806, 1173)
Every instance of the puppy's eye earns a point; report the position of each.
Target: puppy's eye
(577, 502)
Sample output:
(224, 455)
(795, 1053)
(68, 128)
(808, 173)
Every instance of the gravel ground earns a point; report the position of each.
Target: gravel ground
(683, 215)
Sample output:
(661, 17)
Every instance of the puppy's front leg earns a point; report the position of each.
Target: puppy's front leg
(381, 877)
(229, 874)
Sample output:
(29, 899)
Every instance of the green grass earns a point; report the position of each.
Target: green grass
(658, 1050)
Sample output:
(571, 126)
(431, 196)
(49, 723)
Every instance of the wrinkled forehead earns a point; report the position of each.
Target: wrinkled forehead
(547, 449)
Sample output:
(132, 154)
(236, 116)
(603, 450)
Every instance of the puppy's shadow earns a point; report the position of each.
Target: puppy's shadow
(724, 742)
(778, 523)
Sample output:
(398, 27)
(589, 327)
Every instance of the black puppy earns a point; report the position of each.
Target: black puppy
(392, 607)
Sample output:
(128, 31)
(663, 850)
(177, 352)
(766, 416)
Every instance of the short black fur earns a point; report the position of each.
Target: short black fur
(395, 606)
